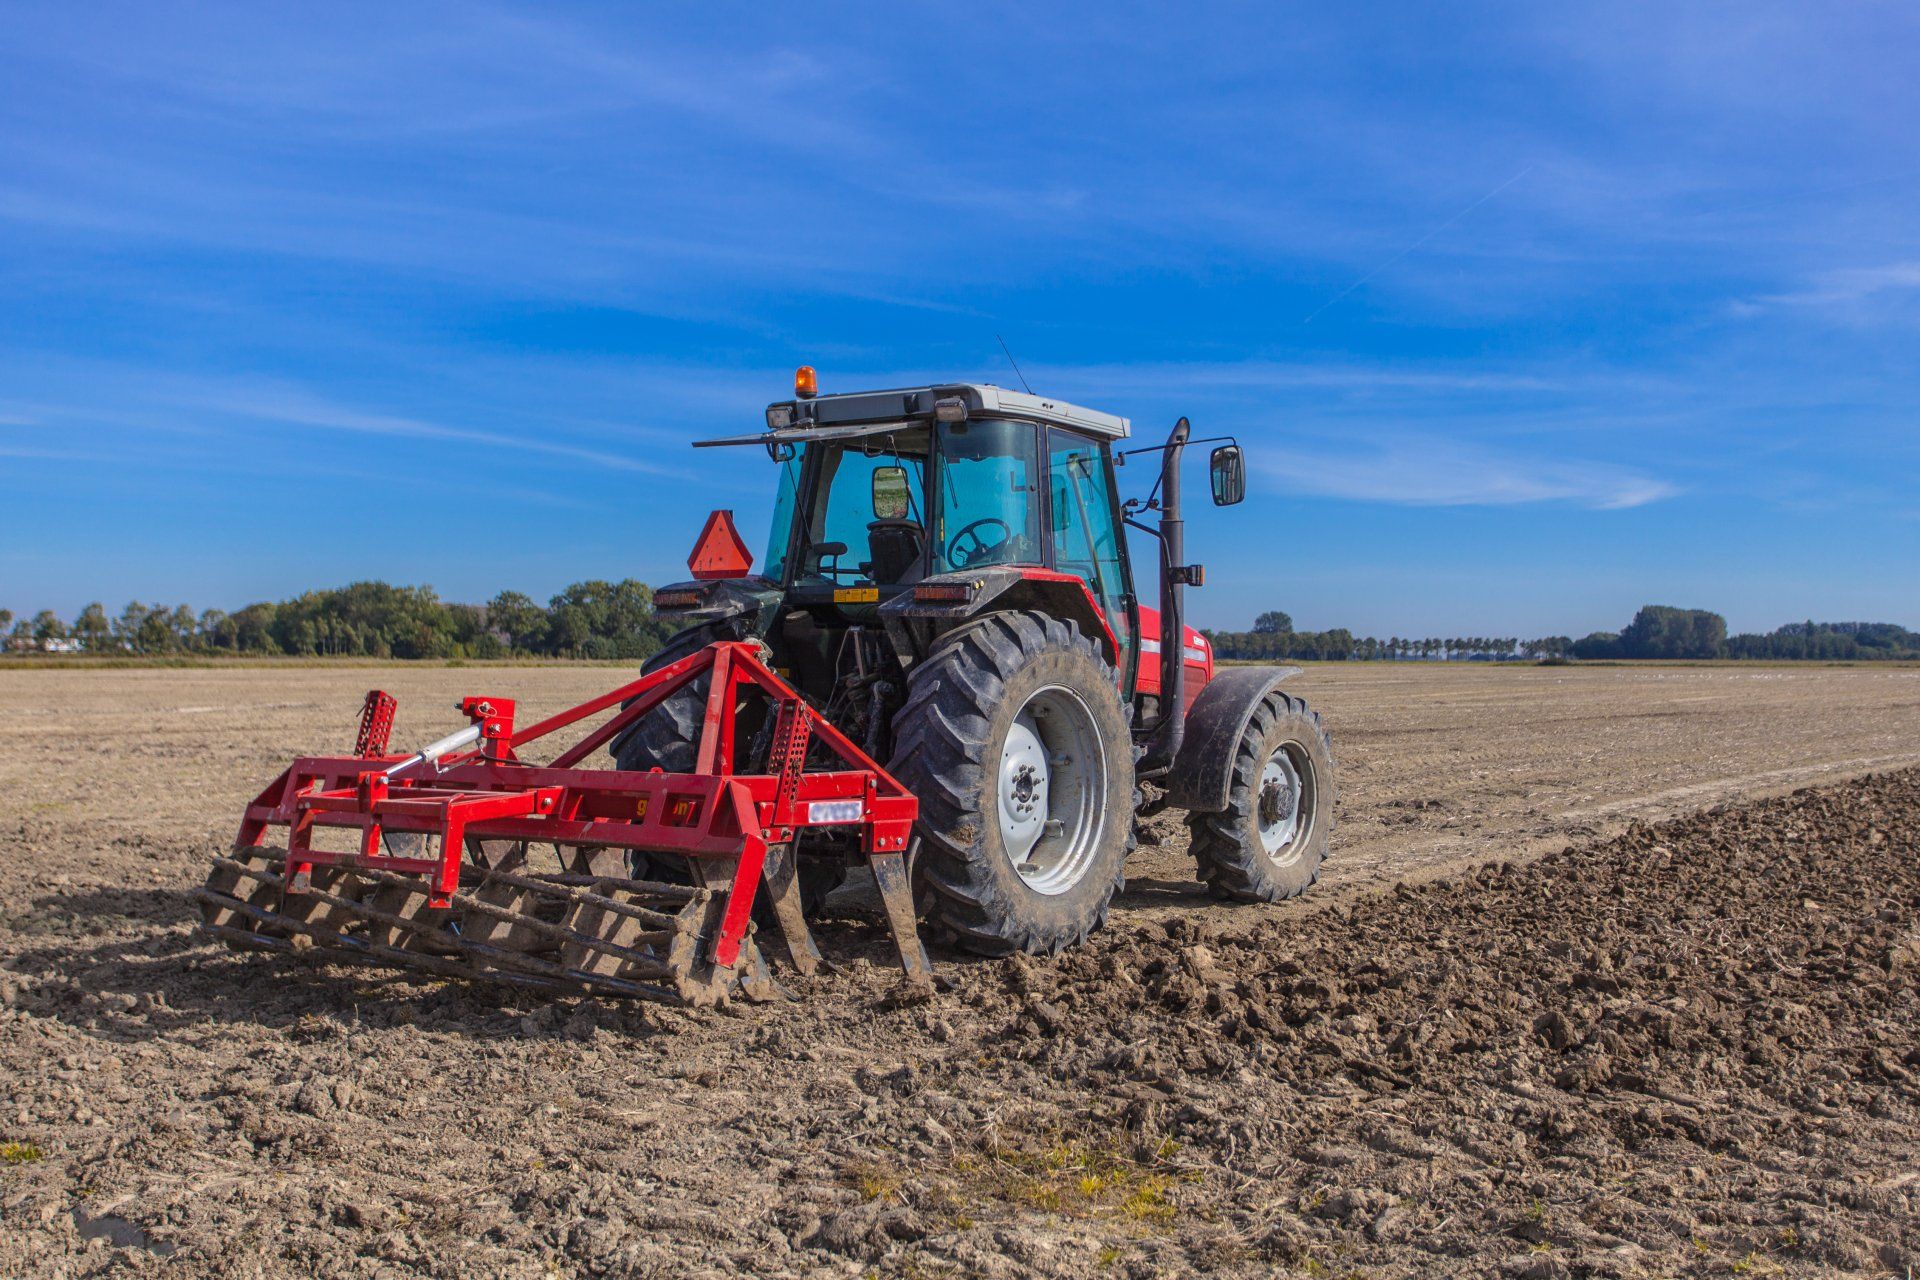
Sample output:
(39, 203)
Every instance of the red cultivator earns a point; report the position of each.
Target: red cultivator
(426, 861)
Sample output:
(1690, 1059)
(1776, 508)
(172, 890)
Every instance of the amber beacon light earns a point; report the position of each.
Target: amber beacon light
(806, 383)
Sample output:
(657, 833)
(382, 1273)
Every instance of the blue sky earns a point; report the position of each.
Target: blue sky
(1527, 314)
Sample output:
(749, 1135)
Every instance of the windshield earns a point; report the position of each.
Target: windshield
(989, 494)
(780, 537)
(866, 521)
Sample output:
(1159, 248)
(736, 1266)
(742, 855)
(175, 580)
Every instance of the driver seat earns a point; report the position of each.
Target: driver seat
(895, 546)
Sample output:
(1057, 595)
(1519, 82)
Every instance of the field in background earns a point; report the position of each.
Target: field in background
(1437, 762)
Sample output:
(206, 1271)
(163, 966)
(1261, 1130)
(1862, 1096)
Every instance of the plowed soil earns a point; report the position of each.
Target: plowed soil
(1531, 1023)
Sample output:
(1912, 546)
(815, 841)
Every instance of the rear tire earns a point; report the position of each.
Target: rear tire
(668, 738)
(1268, 844)
(1015, 741)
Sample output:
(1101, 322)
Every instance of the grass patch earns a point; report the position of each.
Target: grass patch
(1100, 1178)
(878, 1182)
(13, 1153)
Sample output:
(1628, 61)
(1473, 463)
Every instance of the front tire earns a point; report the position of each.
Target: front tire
(1268, 844)
(1015, 740)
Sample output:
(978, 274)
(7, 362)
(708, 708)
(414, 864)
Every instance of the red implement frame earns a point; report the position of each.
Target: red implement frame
(739, 825)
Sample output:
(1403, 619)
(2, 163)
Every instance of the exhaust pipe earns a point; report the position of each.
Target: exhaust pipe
(1173, 635)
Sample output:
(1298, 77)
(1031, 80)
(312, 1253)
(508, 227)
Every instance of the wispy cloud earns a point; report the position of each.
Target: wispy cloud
(1418, 471)
(1851, 287)
(308, 411)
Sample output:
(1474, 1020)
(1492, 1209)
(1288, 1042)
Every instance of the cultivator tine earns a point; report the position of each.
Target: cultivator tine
(896, 898)
(783, 894)
(716, 876)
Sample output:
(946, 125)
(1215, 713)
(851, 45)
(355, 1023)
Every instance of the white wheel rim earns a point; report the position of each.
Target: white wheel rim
(1052, 790)
(1279, 802)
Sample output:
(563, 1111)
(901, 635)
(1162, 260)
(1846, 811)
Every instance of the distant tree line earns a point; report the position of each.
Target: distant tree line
(1274, 638)
(369, 619)
(615, 620)
(1657, 631)
(1829, 641)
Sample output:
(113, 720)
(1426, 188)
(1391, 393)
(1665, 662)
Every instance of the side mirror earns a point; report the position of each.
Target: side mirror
(892, 496)
(1229, 470)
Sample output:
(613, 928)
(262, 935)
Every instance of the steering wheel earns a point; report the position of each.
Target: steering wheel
(964, 557)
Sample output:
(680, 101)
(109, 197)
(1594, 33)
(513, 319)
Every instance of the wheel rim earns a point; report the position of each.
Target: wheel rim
(1052, 790)
(1284, 803)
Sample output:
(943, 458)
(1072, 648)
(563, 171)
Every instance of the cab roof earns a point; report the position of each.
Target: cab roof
(983, 399)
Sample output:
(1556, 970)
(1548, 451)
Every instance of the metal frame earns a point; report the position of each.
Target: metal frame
(736, 829)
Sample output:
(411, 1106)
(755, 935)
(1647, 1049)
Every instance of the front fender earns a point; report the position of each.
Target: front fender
(1202, 774)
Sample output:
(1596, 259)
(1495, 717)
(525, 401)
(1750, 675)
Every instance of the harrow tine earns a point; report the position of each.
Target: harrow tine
(486, 961)
(642, 963)
(559, 886)
(378, 957)
(330, 945)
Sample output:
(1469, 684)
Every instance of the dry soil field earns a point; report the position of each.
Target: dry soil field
(1536, 1020)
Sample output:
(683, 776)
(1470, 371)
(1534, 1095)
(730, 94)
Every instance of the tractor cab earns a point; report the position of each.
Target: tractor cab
(923, 502)
(901, 513)
(878, 506)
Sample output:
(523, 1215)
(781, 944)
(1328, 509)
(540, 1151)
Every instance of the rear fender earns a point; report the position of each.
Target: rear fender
(753, 601)
(1202, 773)
(999, 588)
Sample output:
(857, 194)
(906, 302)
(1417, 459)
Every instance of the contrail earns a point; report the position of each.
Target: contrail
(1417, 243)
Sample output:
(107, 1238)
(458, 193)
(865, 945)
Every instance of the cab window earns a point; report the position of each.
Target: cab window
(988, 489)
(847, 538)
(1086, 534)
(780, 537)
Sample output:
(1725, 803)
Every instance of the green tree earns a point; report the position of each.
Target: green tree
(127, 627)
(1273, 622)
(93, 630)
(519, 619)
(1661, 631)
(210, 630)
(156, 634)
(181, 626)
(47, 626)
(1598, 644)
(251, 629)
(605, 620)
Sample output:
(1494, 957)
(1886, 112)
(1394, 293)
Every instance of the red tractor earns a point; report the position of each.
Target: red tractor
(943, 639)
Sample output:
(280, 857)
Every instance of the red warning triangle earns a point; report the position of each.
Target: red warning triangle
(720, 552)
